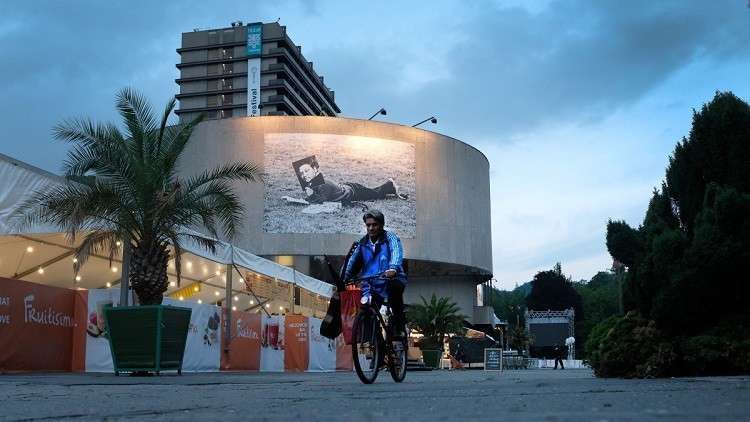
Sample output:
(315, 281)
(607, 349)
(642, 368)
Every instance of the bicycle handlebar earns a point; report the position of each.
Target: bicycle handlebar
(369, 277)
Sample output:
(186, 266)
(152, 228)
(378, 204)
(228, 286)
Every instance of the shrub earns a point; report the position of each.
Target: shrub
(706, 355)
(595, 339)
(723, 350)
(630, 347)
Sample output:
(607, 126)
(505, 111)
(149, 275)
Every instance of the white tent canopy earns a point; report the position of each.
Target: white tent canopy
(42, 254)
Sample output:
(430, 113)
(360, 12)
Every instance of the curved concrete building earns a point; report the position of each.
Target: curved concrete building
(441, 209)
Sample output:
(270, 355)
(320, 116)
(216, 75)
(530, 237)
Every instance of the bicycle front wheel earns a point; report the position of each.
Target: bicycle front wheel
(366, 347)
(397, 363)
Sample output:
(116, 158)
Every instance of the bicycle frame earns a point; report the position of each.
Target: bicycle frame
(386, 335)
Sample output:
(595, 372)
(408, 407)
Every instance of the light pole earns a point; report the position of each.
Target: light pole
(381, 111)
(431, 119)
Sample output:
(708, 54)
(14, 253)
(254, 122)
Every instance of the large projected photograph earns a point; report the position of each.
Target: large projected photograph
(323, 183)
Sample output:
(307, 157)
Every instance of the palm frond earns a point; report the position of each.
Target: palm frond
(246, 171)
(96, 242)
(86, 132)
(138, 116)
(225, 206)
(163, 125)
(172, 147)
(177, 248)
(207, 243)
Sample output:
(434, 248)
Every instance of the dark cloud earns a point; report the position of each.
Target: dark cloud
(574, 61)
(64, 59)
(511, 70)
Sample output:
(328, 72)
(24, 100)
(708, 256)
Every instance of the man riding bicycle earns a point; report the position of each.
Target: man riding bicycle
(380, 252)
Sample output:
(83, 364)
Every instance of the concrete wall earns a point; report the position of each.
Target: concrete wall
(452, 181)
(460, 289)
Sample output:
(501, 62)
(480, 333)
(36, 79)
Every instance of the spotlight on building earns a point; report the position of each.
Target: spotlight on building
(432, 120)
(381, 111)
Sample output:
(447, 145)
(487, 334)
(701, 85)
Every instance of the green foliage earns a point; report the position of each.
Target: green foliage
(595, 340)
(125, 186)
(716, 151)
(623, 242)
(686, 262)
(509, 305)
(723, 350)
(554, 291)
(630, 347)
(707, 354)
(600, 300)
(435, 319)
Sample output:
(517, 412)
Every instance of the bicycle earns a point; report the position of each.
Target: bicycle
(370, 349)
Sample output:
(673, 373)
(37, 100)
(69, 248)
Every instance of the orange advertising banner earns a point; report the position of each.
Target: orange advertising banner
(40, 328)
(244, 349)
(343, 355)
(78, 352)
(297, 343)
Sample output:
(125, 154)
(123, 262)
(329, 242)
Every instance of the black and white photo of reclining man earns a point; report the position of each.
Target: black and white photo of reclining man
(319, 190)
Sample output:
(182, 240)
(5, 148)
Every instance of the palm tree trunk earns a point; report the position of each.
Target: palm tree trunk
(148, 273)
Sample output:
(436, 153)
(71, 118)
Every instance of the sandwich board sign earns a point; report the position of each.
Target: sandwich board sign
(493, 359)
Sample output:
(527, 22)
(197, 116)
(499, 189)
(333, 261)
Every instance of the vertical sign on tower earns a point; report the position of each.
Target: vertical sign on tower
(254, 50)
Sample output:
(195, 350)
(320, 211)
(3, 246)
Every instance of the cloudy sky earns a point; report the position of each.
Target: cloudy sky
(577, 104)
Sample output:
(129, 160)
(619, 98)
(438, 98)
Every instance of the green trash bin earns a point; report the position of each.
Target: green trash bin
(147, 338)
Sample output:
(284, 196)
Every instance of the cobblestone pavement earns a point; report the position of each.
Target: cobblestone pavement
(570, 395)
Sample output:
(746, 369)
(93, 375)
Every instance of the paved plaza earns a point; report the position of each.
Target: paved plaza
(570, 395)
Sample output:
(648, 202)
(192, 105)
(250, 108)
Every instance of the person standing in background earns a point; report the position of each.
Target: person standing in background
(558, 355)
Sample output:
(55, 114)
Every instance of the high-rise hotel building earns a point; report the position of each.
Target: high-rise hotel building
(248, 70)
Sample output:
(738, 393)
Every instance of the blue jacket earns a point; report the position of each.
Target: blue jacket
(385, 254)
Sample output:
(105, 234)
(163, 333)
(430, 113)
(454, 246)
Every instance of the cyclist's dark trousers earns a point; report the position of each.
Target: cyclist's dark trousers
(396, 300)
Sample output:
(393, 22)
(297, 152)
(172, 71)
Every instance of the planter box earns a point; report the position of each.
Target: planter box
(147, 338)
(432, 358)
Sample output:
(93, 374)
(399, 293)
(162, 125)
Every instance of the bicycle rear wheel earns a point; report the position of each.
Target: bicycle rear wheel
(366, 347)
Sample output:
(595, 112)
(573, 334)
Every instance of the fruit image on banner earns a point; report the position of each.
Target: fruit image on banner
(98, 355)
(322, 349)
(272, 343)
(203, 345)
(244, 349)
(297, 343)
(39, 327)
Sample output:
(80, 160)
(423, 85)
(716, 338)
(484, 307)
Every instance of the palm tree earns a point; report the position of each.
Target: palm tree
(520, 339)
(124, 186)
(435, 319)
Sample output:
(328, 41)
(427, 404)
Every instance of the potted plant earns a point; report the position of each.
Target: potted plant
(434, 320)
(432, 351)
(124, 193)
